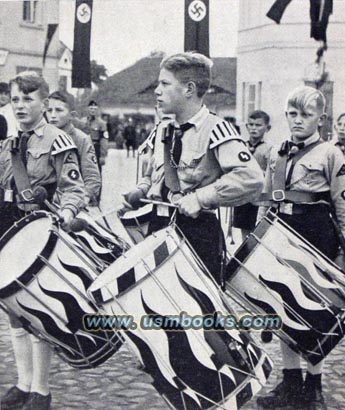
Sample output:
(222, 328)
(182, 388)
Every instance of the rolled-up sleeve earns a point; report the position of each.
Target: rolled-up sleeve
(242, 179)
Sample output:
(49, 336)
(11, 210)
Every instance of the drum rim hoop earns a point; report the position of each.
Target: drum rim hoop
(37, 265)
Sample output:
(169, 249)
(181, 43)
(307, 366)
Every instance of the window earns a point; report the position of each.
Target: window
(251, 98)
(30, 11)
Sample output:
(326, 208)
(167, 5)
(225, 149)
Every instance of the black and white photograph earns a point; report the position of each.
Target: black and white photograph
(172, 204)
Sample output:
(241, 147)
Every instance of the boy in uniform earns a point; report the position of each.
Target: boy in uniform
(257, 126)
(60, 113)
(94, 126)
(198, 163)
(339, 128)
(50, 159)
(305, 180)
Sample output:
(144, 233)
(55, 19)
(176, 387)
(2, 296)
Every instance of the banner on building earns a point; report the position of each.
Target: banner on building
(81, 66)
(52, 12)
(196, 26)
(320, 10)
(50, 33)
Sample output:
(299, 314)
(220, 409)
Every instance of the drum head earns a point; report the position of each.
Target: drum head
(21, 244)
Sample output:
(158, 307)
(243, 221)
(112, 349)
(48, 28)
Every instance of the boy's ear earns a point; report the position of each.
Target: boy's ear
(73, 114)
(45, 103)
(268, 127)
(191, 89)
(322, 119)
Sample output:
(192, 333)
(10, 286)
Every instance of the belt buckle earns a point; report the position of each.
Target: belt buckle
(26, 194)
(278, 195)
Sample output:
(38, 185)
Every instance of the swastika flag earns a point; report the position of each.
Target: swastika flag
(81, 66)
(196, 26)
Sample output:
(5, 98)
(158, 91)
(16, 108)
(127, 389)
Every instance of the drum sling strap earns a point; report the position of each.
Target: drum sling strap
(281, 182)
(20, 175)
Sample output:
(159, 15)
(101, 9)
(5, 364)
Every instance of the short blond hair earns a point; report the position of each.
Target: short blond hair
(190, 66)
(303, 96)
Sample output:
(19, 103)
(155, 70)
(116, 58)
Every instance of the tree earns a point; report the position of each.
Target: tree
(98, 72)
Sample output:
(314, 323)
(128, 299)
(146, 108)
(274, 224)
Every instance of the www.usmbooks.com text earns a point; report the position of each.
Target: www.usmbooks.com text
(183, 321)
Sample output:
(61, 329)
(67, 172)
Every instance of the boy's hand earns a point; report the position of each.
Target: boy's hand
(189, 205)
(67, 217)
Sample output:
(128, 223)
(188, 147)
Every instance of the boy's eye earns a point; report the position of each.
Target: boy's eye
(14, 99)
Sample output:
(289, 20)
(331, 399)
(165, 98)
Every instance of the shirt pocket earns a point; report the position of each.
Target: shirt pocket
(38, 162)
(191, 167)
(311, 172)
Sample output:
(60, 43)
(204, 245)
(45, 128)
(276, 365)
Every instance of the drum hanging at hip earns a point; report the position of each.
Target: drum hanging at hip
(160, 282)
(276, 271)
(43, 281)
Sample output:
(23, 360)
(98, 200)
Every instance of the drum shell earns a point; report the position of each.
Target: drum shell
(50, 296)
(162, 277)
(275, 271)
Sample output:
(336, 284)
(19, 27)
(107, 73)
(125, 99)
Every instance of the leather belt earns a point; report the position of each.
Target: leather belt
(278, 196)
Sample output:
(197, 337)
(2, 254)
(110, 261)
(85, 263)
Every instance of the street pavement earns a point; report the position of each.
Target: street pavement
(119, 383)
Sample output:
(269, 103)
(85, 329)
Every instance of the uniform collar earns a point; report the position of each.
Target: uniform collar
(198, 119)
(38, 130)
(310, 140)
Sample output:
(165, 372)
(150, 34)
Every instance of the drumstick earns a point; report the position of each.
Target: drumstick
(155, 202)
(231, 221)
(168, 204)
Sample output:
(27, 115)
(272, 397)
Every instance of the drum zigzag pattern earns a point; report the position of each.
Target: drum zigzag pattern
(179, 395)
(226, 337)
(79, 271)
(194, 374)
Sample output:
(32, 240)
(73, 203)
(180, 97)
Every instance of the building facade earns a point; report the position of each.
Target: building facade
(274, 58)
(23, 31)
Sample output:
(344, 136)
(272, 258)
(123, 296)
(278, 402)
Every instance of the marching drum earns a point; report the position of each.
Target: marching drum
(137, 222)
(98, 242)
(192, 368)
(43, 281)
(276, 271)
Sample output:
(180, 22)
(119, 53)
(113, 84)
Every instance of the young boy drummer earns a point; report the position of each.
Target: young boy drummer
(199, 162)
(50, 159)
(313, 181)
